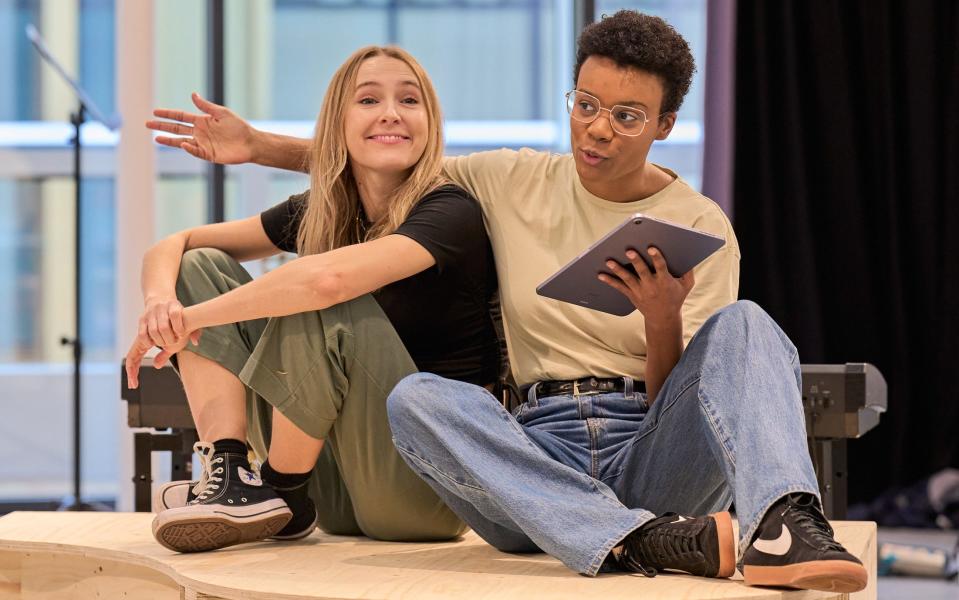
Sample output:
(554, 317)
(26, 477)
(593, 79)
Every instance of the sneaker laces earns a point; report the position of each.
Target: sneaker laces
(627, 561)
(811, 521)
(209, 482)
(657, 546)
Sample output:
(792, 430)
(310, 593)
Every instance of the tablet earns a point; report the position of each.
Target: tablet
(577, 283)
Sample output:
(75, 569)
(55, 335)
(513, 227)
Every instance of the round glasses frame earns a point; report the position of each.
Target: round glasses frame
(570, 101)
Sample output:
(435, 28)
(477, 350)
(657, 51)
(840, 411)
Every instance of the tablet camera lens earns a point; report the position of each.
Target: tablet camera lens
(638, 222)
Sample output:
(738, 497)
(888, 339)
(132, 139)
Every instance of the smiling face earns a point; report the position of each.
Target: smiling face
(611, 165)
(385, 120)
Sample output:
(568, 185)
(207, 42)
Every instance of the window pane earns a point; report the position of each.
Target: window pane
(180, 203)
(97, 62)
(37, 263)
(37, 256)
(504, 61)
(180, 35)
(502, 66)
(19, 75)
(19, 282)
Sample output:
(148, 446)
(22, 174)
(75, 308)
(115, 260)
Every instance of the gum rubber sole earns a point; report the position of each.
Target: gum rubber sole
(727, 545)
(823, 575)
(213, 530)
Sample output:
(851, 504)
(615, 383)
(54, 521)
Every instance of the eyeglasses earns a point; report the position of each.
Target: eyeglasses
(624, 120)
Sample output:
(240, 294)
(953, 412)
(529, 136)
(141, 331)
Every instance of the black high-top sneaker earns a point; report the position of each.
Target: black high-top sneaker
(701, 546)
(232, 506)
(175, 494)
(795, 548)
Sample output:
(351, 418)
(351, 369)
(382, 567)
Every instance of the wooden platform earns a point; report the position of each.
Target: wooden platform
(113, 555)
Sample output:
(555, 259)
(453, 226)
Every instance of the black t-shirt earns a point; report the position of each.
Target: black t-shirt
(445, 314)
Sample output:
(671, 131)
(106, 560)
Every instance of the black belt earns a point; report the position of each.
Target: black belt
(586, 385)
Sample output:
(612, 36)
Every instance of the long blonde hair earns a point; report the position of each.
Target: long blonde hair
(332, 216)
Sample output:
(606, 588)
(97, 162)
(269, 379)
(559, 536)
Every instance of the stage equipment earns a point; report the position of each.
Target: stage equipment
(840, 402)
(86, 106)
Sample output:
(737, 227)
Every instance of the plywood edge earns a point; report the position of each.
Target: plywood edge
(10, 564)
(10, 574)
(49, 574)
(12, 553)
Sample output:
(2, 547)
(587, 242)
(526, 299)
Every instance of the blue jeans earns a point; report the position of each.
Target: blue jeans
(573, 475)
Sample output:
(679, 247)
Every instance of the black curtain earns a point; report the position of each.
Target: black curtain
(846, 192)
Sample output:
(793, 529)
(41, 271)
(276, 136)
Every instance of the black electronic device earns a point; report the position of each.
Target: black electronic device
(840, 402)
(577, 283)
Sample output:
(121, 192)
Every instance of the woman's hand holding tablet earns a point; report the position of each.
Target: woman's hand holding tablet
(622, 289)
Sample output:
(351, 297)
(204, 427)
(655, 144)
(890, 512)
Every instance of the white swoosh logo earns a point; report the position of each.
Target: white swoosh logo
(778, 546)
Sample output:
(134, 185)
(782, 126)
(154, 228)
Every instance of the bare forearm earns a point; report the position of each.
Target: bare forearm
(664, 343)
(289, 289)
(314, 282)
(282, 151)
(161, 267)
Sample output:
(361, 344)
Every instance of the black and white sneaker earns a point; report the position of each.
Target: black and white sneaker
(701, 546)
(176, 494)
(795, 548)
(231, 506)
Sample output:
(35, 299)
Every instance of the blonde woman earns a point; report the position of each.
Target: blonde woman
(394, 276)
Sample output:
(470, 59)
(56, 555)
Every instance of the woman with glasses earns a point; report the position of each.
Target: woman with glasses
(394, 275)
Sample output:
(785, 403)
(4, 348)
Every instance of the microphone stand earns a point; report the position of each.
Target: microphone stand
(86, 105)
(75, 502)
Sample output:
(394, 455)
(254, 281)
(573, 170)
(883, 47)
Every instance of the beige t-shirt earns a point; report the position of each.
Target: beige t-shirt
(539, 217)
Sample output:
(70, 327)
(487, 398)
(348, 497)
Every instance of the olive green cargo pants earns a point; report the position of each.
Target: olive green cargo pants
(329, 372)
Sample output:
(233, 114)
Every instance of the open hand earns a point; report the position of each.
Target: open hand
(656, 294)
(218, 135)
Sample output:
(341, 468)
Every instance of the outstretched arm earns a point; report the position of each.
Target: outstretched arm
(219, 135)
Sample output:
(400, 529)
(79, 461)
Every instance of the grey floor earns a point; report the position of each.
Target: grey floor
(916, 588)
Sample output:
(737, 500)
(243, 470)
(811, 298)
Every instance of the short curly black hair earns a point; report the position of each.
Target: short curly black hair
(634, 39)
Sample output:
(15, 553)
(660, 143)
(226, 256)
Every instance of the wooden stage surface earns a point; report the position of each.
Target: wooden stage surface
(113, 555)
